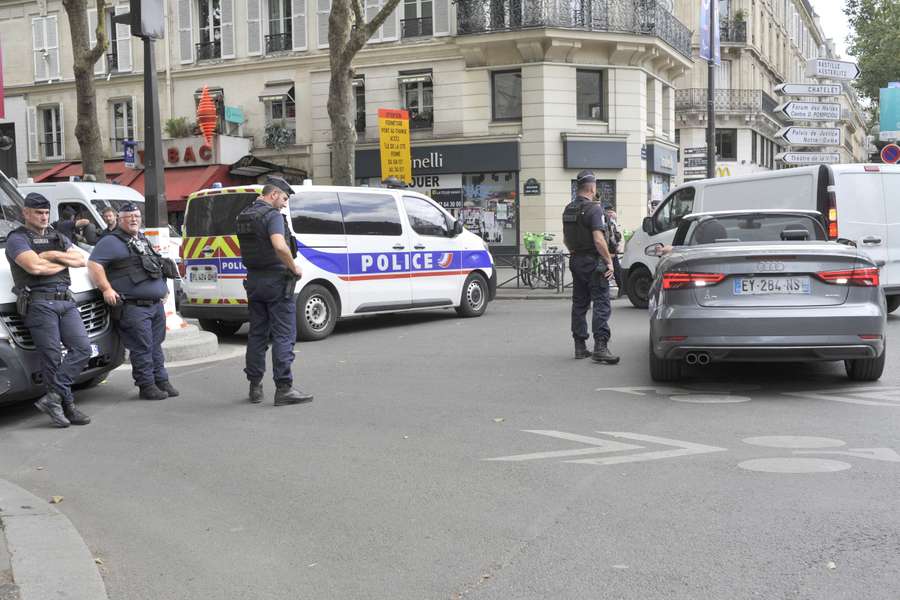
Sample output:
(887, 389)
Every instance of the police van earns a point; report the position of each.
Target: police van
(20, 365)
(362, 251)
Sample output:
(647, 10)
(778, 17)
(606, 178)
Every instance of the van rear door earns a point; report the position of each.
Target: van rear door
(861, 212)
(891, 270)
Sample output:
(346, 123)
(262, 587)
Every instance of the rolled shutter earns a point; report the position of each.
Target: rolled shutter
(323, 12)
(100, 65)
(298, 25)
(123, 43)
(227, 28)
(52, 36)
(254, 28)
(441, 17)
(37, 44)
(390, 31)
(31, 126)
(185, 31)
(372, 8)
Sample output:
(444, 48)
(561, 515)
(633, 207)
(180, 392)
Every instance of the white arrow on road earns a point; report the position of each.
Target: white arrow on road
(808, 89)
(811, 111)
(831, 69)
(811, 136)
(684, 449)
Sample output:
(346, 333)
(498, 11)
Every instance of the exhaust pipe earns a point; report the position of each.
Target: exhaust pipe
(690, 358)
(703, 359)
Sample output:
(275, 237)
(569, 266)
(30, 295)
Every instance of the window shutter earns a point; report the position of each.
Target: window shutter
(254, 28)
(441, 17)
(37, 45)
(227, 28)
(323, 12)
(52, 37)
(185, 32)
(298, 9)
(100, 65)
(123, 43)
(31, 126)
(132, 133)
(390, 31)
(372, 8)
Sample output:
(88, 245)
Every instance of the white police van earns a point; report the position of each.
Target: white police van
(363, 251)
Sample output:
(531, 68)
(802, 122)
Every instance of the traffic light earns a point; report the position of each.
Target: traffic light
(145, 18)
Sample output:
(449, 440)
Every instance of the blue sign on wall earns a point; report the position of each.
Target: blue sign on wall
(889, 121)
(129, 152)
(235, 115)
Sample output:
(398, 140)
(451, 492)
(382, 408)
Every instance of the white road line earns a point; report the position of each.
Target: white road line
(685, 449)
(643, 391)
(835, 398)
(883, 454)
(598, 446)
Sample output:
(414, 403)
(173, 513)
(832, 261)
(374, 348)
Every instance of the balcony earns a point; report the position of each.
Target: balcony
(279, 42)
(728, 101)
(639, 17)
(209, 50)
(734, 32)
(421, 27)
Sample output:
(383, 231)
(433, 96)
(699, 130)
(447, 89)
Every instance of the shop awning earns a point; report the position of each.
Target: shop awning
(253, 166)
(277, 90)
(65, 170)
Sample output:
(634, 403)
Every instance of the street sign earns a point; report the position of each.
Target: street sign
(831, 69)
(811, 136)
(129, 148)
(811, 111)
(808, 158)
(808, 89)
(890, 154)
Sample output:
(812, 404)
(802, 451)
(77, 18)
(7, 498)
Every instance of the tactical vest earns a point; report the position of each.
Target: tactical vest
(576, 227)
(22, 279)
(142, 263)
(257, 251)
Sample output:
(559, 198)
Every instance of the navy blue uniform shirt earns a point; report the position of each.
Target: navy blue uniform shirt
(110, 248)
(595, 218)
(17, 243)
(274, 221)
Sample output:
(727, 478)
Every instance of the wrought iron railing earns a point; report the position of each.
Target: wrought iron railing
(112, 63)
(279, 42)
(209, 50)
(641, 17)
(733, 31)
(420, 27)
(728, 100)
(533, 271)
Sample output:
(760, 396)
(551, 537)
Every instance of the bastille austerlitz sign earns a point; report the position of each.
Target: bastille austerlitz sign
(826, 68)
(809, 158)
(811, 111)
(811, 136)
(808, 89)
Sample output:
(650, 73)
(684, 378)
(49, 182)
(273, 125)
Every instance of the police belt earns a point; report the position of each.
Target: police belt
(142, 301)
(267, 272)
(594, 253)
(51, 296)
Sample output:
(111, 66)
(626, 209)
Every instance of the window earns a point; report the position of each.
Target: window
(122, 126)
(418, 98)
(281, 124)
(723, 75)
(670, 213)
(370, 214)
(317, 213)
(45, 47)
(425, 218)
(280, 37)
(210, 46)
(359, 94)
(589, 93)
(417, 18)
(506, 90)
(215, 215)
(51, 132)
(726, 144)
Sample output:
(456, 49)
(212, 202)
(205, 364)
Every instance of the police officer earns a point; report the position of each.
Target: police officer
(268, 250)
(39, 258)
(614, 237)
(584, 230)
(132, 277)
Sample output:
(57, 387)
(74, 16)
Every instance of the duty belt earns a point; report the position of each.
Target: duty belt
(142, 301)
(51, 296)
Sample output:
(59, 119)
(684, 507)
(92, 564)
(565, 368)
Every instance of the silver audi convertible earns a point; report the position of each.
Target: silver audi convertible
(764, 286)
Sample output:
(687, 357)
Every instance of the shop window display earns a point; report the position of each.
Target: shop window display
(490, 207)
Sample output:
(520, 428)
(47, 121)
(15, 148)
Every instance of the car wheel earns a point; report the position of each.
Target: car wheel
(893, 303)
(662, 369)
(865, 369)
(220, 327)
(639, 282)
(474, 299)
(317, 313)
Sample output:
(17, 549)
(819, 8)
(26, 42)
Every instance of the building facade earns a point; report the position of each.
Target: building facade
(501, 93)
(763, 43)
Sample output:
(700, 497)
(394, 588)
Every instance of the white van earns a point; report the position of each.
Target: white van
(860, 203)
(84, 198)
(362, 251)
(20, 365)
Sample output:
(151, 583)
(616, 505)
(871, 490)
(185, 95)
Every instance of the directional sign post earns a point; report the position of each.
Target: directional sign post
(808, 89)
(811, 111)
(808, 158)
(811, 136)
(825, 68)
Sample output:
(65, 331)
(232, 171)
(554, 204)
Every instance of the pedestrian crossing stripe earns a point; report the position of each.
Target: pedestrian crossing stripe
(215, 246)
(217, 301)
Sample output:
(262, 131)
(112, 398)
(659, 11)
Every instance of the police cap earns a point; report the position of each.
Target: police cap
(35, 200)
(281, 184)
(585, 177)
(608, 206)
(129, 207)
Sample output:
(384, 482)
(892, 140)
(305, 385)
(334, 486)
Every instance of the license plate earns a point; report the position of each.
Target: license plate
(760, 286)
(203, 275)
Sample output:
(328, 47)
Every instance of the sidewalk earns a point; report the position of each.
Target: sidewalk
(511, 293)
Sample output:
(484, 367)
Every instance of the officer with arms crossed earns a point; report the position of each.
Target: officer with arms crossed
(268, 250)
(584, 230)
(39, 259)
(132, 277)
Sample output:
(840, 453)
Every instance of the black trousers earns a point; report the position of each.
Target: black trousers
(590, 289)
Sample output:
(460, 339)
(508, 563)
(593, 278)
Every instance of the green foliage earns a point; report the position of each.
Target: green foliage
(875, 43)
(179, 127)
(278, 135)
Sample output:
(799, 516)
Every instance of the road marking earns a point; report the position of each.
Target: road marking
(883, 454)
(866, 396)
(643, 391)
(794, 441)
(710, 398)
(794, 465)
(684, 449)
(598, 446)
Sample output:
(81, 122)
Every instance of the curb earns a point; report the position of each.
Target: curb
(47, 555)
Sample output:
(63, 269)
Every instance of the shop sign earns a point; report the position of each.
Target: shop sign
(184, 152)
(661, 159)
(457, 158)
(532, 187)
(234, 114)
(396, 160)
(449, 198)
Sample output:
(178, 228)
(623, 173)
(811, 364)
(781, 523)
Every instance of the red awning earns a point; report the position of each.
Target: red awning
(63, 171)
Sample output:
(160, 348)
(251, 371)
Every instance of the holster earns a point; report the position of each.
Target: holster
(290, 282)
(169, 269)
(23, 302)
(117, 310)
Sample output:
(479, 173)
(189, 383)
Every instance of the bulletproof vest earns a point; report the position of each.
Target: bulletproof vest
(257, 251)
(576, 227)
(51, 240)
(142, 263)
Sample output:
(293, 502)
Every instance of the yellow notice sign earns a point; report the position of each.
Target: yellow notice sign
(396, 159)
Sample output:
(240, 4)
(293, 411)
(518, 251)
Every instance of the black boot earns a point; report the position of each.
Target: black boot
(167, 388)
(151, 392)
(51, 405)
(581, 350)
(285, 394)
(256, 392)
(602, 354)
(75, 416)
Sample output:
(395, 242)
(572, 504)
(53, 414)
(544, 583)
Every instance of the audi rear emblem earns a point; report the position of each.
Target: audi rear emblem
(770, 267)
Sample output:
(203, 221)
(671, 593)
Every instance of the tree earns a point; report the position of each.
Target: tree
(348, 32)
(87, 127)
(874, 42)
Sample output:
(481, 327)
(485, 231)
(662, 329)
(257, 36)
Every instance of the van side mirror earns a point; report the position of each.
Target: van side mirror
(457, 228)
(647, 225)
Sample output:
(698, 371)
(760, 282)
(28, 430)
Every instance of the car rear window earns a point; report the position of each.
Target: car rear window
(754, 228)
(215, 215)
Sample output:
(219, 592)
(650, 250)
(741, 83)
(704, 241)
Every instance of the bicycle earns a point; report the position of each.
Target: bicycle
(535, 268)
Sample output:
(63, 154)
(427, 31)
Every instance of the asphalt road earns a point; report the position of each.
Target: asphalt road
(748, 481)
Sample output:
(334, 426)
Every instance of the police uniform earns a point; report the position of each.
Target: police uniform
(52, 318)
(138, 274)
(590, 287)
(270, 298)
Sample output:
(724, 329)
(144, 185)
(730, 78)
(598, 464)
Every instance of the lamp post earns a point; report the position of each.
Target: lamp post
(711, 95)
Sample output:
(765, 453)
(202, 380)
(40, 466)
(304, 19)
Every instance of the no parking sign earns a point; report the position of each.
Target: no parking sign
(890, 154)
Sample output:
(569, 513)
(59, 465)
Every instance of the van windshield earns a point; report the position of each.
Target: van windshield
(215, 215)
(10, 208)
(100, 204)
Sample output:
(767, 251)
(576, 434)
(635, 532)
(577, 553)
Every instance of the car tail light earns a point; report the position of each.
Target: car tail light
(673, 338)
(860, 277)
(832, 215)
(869, 337)
(677, 281)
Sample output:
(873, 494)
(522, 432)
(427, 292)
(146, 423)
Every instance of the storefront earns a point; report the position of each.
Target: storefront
(477, 183)
(662, 164)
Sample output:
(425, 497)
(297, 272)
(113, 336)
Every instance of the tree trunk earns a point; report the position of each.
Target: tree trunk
(87, 126)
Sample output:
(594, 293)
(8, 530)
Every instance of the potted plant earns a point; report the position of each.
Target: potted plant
(278, 135)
